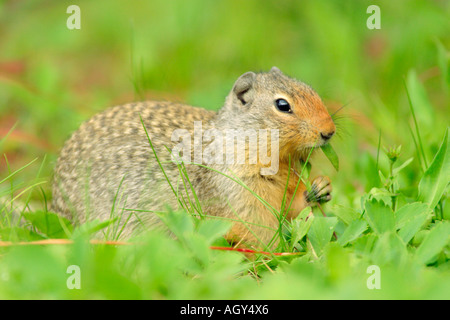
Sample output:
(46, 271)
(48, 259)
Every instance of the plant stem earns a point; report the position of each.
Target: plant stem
(391, 187)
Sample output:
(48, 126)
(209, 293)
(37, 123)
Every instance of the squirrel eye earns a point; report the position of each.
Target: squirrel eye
(283, 105)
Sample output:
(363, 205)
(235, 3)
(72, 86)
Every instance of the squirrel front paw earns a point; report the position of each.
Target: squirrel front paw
(320, 190)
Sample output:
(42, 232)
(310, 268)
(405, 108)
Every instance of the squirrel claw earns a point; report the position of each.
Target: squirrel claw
(320, 190)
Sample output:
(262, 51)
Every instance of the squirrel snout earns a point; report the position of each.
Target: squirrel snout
(326, 135)
(327, 129)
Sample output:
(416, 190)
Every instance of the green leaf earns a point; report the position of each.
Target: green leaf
(346, 214)
(91, 227)
(379, 216)
(19, 234)
(382, 194)
(437, 176)
(402, 166)
(410, 218)
(321, 231)
(434, 242)
(199, 247)
(331, 155)
(304, 213)
(364, 244)
(179, 222)
(389, 248)
(353, 231)
(300, 228)
(213, 229)
(50, 224)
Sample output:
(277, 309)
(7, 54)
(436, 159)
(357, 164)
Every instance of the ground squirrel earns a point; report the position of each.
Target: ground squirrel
(107, 168)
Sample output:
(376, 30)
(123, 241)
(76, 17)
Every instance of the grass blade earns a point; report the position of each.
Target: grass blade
(331, 155)
(416, 125)
(437, 176)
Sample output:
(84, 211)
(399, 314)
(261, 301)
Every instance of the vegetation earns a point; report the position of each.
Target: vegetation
(387, 88)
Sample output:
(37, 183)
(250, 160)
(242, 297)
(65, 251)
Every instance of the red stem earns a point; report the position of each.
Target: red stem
(256, 252)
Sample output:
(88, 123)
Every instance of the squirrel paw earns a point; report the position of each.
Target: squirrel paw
(320, 190)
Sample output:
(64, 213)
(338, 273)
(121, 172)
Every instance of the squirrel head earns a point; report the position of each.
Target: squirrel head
(272, 100)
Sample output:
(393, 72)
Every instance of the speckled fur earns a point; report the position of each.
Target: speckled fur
(108, 166)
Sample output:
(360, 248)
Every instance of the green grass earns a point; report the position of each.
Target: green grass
(390, 195)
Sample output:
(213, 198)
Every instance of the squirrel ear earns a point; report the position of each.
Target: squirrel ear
(243, 85)
(275, 70)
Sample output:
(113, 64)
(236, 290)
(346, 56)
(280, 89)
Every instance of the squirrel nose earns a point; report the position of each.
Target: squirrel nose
(326, 135)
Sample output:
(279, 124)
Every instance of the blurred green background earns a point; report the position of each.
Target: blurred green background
(53, 78)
